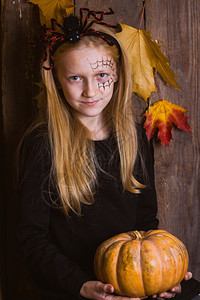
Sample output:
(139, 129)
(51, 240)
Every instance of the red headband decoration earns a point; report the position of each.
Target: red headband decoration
(72, 30)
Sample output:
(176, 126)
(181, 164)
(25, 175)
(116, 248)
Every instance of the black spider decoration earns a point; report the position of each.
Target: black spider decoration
(72, 29)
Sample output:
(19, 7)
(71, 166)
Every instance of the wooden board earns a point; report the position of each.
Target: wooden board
(19, 24)
(128, 12)
(175, 24)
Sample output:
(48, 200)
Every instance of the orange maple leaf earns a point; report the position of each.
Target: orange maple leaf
(161, 115)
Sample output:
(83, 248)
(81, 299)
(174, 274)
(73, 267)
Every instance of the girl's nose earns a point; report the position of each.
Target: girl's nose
(90, 89)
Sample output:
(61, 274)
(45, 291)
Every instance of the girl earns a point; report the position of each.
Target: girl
(87, 171)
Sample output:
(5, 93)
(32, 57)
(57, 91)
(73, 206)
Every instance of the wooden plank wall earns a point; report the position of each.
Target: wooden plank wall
(175, 24)
(19, 64)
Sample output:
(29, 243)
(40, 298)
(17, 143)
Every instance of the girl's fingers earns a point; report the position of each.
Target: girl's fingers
(108, 288)
(172, 293)
(176, 289)
(188, 276)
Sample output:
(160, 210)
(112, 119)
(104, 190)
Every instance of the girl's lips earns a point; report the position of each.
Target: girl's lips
(91, 103)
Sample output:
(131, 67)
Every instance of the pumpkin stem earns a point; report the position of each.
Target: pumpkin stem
(136, 234)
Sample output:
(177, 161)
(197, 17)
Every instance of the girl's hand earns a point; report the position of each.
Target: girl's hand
(99, 291)
(175, 290)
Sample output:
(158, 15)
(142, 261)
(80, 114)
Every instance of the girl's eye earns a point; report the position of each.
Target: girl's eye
(75, 78)
(102, 75)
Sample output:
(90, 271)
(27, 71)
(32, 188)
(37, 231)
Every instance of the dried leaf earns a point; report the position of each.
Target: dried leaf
(161, 115)
(53, 9)
(70, 10)
(145, 55)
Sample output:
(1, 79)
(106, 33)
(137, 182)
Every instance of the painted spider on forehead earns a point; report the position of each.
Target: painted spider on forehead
(72, 29)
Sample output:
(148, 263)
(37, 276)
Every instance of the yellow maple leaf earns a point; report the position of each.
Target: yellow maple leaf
(145, 55)
(53, 9)
(69, 10)
(161, 115)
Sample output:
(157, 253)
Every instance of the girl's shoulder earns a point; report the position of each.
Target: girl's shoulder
(36, 132)
(35, 142)
(36, 135)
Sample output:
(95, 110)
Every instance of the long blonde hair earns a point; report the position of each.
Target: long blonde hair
(74, 165)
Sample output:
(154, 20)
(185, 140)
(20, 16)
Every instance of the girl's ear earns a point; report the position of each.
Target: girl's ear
(116, 78)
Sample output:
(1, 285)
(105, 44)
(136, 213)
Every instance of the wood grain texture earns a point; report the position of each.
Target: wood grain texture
(128, 12)
(19, 27)
(175, 24)
(2, 184)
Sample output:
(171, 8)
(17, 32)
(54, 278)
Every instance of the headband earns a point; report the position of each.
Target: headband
(72, 30)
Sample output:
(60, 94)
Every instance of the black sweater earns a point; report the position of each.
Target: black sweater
(59, 251)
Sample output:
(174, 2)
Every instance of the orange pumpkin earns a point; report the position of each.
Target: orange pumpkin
(141, 263)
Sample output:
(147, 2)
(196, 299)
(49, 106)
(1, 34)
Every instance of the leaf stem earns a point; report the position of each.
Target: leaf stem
(142, 16)
(158, 86)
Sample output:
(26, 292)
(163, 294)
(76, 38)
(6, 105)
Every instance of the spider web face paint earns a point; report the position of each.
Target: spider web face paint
(105, 63)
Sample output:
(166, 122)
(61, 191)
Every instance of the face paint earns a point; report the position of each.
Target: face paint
(87, 77)
(106, 63)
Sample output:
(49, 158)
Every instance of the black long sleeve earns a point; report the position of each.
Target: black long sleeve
(59, 250)
(147, 204)
(49, 265)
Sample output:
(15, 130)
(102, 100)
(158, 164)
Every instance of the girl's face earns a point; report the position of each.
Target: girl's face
(87, 77)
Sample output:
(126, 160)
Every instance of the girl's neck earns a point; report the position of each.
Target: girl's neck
(97, 126)
(100, 135)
